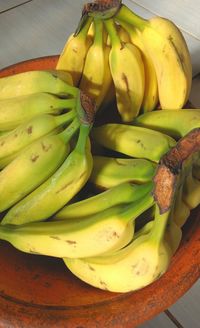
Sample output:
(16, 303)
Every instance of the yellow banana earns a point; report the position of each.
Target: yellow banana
(133, 141)
(96, 78)
(133, 267)
(30, 82)
(72, 58)
(17, 110)
(108, 172)
(127, 70)
(170, 57)
(150, 100)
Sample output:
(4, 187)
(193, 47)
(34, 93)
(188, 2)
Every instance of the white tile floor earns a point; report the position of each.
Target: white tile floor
(35, 28)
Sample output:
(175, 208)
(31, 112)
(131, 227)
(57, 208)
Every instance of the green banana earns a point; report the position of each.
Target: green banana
(133, 141)
(90, 236)
(30, 82)
(176, 123)
(133, 267)
(108, 172)
(61, 187)
(15, 111)
(33, 166)
(121, 194)
(15, 141)
(191, 191)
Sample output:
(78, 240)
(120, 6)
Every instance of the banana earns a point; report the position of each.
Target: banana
(30, 82)
(123, 193)
(133, 141)
(168, 51)
(150, 100)
(15, 111)
(56, 191)
(181, 210)
(191, 191)
(90, 236)
(33, 166)
(15, 141)
(127, 70)
(110, 171)
(133, 267)
(72, 58)
(96, 78)
(176, 123)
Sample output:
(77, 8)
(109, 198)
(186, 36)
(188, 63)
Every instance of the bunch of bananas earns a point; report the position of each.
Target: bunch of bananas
(116, 55)
(45, 156)
(110, 200)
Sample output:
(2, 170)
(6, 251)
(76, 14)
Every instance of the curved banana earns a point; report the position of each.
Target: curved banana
(150, 100)
(15, 111)
(56, 191)
(90, 236)
(108, 172)
(72, 58)
(15, 141)
(133, 267)
(121, 194)
(176, 123)
(133, 141)
(181, 210)
(127, 70)
(170, 57)
(191, 191)
(33, 166)
(96, 78)
(30, 82)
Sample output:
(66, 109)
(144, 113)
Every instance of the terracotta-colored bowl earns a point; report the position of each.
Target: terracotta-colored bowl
(40, 292)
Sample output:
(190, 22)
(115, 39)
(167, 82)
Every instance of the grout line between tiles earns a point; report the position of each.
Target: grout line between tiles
(21, 4)
(173, 319)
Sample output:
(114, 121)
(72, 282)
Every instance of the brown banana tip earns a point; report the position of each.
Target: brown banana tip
(165, 179)
(89, 106)
(164, 188)
(101, 6)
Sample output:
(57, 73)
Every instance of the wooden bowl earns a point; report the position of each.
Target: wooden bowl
(40, 292)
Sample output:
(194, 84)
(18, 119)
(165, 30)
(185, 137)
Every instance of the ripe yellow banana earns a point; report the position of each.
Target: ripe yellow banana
(150, 100)
(133, 267)
(30, 82)
(33, 166)
(121, 194)
(108, 172)
(56, 191)
(72, 58)
(96, 78)
(90, 236)
(17, 110)
(16, 140)
(170, 56)
(176, 123)
(133, 141)
(127, 70)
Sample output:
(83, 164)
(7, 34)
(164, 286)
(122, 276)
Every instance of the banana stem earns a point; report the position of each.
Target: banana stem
(159, 226)
(65, 118)
(98, 28)
(112, 31)
(67, 103)
(83, 28)
(68, 133)
(82, 138)
(128, 16)
(136, 208)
